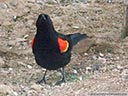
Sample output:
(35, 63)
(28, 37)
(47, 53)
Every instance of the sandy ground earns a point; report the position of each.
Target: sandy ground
(98, 67)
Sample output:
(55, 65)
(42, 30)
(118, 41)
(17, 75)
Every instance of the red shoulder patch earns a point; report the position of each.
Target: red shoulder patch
(32, 43)
(63, 45)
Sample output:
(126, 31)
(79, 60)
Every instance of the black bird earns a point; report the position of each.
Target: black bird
(52, 50)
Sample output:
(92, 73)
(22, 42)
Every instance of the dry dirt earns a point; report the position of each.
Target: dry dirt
(99, 66)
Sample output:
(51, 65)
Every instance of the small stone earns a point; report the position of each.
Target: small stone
(20, 40)
(109, 1)
(94, 57)
(101, 54)
(87, 17)
(75, 71)
(75, 27)
(62, 84)
(119, 67)
(10, 47)
(88, 69)
(14, 18)
(26, 58)
(116, 70)
(9, 38)
(29, 66)
(15, 93)
(86, 54)
(21, 63)
(39, 2)
(117, 58)
(80, 78)
(19, 48)
(26, 36)
(31, 92)
(103, 60)
(31, 1)
(10, 69)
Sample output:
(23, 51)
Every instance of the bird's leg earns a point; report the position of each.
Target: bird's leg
(43, 79)
(63, 77)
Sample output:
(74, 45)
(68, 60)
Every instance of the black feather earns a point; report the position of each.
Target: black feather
(75, 38)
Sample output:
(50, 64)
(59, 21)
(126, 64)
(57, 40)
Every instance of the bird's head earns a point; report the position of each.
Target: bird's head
(43, 22)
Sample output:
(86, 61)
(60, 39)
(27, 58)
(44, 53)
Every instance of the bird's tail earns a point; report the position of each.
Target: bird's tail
(77, 37)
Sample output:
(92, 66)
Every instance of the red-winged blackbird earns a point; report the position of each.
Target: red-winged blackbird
(52, 50)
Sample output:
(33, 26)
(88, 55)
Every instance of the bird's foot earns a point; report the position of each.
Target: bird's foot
(41, 81)
(60, 82)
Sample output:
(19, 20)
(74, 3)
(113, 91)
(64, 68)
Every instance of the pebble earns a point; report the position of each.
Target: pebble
(10, 69)
(109, 1)
(94, 57)
(88, 69)
(31, 93)
(117, 58)
(62, 84)
(26, 36)
(29, 66)
(31, 1)
(21, 63)
(10, 47)
(87, 17)
(80, 78)
(75, 71)
(20, 40)
(14, 18)
(15, 93)
(116, 70)
(75, 27)
(86, 54)
(26, 58)
(119, 67)
(101, 54)
(39, 2)
(103, 60)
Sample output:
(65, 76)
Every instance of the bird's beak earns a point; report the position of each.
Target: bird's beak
(43, 16)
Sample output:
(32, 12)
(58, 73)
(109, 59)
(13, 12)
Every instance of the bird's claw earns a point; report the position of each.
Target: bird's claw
(41, 81)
